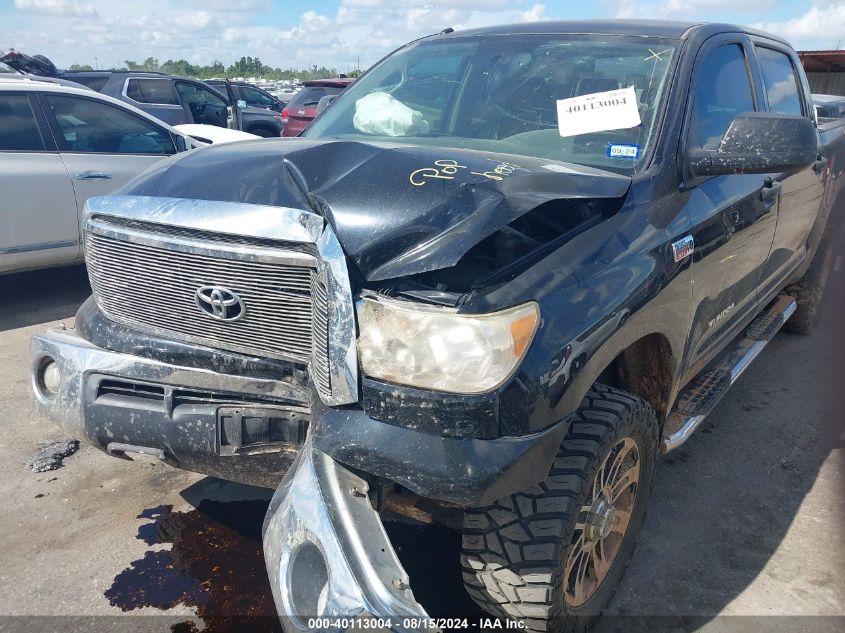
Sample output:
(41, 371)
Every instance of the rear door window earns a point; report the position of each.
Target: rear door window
(18, 128)
(722, 92)
(90, 126)
(152, 91)
(780, 80)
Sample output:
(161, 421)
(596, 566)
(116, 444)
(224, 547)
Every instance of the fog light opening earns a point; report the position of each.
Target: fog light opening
(308, 581)
(49, 377)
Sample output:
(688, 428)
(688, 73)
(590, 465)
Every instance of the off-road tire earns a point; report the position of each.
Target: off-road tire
(808, 291)
(514, 551)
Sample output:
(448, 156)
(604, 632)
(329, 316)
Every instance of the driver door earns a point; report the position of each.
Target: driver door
(734, 216)
(202, 105)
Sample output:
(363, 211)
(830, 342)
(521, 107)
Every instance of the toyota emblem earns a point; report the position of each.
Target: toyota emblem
(220, 303)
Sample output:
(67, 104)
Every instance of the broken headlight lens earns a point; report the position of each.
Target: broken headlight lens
(436, 348)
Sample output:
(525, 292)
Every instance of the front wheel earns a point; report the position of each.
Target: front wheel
(552, 556)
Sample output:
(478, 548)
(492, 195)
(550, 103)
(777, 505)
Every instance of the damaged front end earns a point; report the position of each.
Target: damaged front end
(234, 323)
(330, 562)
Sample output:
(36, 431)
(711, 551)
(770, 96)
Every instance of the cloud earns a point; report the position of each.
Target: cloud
(693, 7)
(56, 7)
(823, 19)
(534, 14)
(203, 30)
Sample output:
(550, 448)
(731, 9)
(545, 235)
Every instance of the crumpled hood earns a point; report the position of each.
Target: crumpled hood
(397, 210)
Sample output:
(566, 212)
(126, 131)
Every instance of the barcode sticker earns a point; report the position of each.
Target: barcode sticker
(598, 112)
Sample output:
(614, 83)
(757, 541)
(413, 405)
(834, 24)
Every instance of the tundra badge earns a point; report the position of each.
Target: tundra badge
(683, 248)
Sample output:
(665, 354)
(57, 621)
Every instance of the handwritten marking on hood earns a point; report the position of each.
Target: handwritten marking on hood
(446, 169)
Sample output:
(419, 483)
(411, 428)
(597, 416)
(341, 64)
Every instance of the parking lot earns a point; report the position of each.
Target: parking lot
(746, 519)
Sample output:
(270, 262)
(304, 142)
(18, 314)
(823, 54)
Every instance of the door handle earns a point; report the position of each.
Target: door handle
(92, 175)
(769, 192)
(820, 165)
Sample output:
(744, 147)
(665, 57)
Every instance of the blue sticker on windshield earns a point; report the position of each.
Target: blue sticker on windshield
(623, 151)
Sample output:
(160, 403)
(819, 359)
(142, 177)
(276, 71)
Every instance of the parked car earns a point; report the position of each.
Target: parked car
(500, 275)
(829, 106)
(302, 109)
(61, 145)
(253, 95)
(174, 100)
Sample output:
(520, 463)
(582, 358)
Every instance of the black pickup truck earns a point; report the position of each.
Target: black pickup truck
(499, 276)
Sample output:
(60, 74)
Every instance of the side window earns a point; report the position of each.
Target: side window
(95, 83)
(197, 97)
(255, 97)
(780, 80)
(95, 127)
(156, 91)
(18, 128)
(723, 91)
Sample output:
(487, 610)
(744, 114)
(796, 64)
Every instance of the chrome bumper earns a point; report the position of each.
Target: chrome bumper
(330, 562)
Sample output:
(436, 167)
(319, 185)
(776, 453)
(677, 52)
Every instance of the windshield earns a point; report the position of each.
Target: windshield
(590, 100)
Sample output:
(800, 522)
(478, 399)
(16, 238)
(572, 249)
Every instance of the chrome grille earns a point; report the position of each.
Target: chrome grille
(152, 287)
(320, 337)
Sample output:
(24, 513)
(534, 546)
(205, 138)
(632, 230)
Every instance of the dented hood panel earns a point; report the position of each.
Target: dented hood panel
(397, 210)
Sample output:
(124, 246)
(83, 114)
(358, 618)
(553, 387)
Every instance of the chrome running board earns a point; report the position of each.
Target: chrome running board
(698, 399)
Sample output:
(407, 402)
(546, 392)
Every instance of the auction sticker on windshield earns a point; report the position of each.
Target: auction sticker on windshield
(598, 112)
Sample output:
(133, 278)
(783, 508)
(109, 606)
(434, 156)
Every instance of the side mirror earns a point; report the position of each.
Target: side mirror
(759, 143)
(324, 102)
(241, 104)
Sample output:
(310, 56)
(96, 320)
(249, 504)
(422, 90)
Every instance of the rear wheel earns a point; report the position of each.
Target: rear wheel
(552, 556)
(808, 291)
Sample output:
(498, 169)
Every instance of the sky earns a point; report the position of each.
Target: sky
(344, 33)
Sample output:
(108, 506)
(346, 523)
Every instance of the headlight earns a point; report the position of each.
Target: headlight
(437, 348)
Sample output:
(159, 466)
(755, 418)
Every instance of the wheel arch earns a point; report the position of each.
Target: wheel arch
(640, 359)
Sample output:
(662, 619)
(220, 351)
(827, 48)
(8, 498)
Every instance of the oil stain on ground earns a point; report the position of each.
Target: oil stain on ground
(215, 564)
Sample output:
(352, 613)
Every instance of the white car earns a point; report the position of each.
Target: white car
(59, 146)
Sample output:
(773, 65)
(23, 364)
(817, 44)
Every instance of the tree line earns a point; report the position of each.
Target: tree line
(244, 67)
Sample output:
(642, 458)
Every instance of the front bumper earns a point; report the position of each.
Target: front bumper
(169, 411)
(330, 562)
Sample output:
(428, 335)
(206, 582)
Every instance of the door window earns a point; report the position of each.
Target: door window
(723, 91)
(256, 97)
(18, 127)
(197, 97)
(94, 127)
(154, 91)
(780, 80)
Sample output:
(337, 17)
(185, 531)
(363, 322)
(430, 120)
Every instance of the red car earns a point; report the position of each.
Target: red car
(302, 109)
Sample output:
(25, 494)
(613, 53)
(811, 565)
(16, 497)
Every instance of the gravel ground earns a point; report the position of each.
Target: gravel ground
(746, 519)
